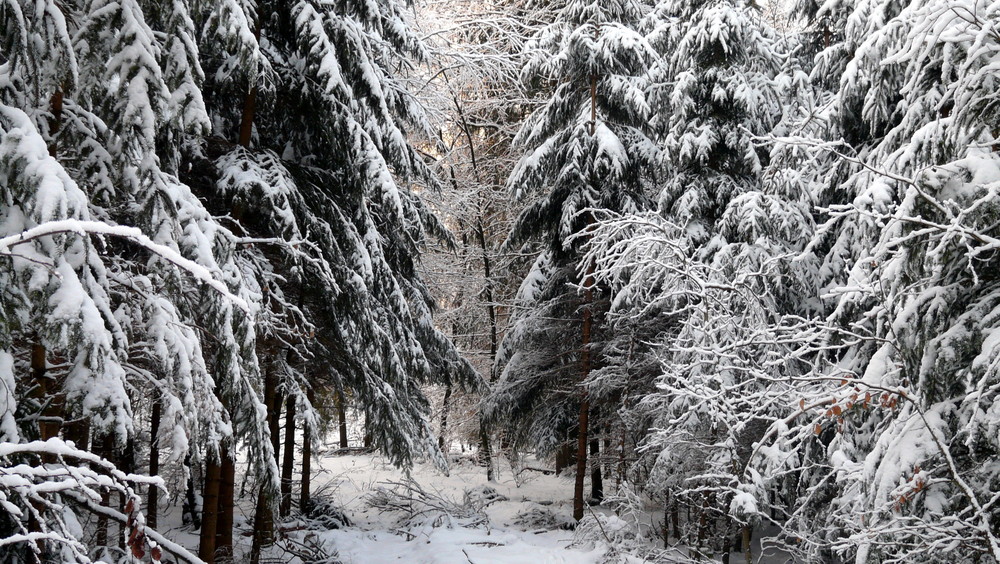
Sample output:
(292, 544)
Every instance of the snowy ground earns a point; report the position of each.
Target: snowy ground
(492, 529)
(377, 536)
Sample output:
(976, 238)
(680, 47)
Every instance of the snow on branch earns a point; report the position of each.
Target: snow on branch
(79, 227)
(39, 492)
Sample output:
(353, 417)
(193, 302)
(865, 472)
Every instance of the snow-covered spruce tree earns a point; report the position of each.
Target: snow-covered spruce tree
(893, 445)
(148, 96)
(712, 270)
(586, 150)
(58, 293)
(823, 48)
(330, 141)
(707, 369)
(54, 291)
(713, 90)
(324, 164)
(119, 98)
(719, 360)
(92, 78)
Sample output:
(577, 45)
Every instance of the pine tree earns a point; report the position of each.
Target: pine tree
(698, 284)
(587, 152)
(341, 132)
(125, 276)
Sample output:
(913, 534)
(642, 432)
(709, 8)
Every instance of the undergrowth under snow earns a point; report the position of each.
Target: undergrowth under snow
(365, 511)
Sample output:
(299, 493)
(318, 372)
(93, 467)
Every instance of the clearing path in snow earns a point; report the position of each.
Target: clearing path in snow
(454, 519)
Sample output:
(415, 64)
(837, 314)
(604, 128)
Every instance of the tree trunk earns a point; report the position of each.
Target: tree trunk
(246, 122)
(486, 448)
(585, 360)
(446, 404)
(688, 521)
(224, 521)
(747, 549)
(486, 451)
(55, 122)
(77, 431)
(288, 458)
(103, 448)
(263, 529)
(210, 512)
(272, 402)
(189, 509)
(581, 458)
(249, 103)
(153, 495)
(606, 464)
(342, 419)
(307, 438)
(126, 463)
(675, 519)
(703, 522)
(368, 433)
(585, 365)
(48, 422)
(263, 519)
(596, 480)
(47, 428)
(666, 520)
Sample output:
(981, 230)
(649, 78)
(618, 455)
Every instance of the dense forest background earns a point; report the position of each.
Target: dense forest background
(734, 262)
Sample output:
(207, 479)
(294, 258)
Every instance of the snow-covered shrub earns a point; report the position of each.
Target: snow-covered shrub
(40, 503)
(420, 509)
(621, 539)
(308, 547)
(612, 529)
(323, 512)
(539, 517)
(481, 497)
(629, 505)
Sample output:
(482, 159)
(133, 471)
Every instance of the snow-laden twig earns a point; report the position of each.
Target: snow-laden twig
(199, 272)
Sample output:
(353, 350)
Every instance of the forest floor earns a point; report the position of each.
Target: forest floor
(440, 519)
(433, 518)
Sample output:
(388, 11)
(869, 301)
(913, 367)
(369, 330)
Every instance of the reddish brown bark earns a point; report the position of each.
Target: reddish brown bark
(584, 417)
(48, 423)
(246, 122)
(263, 530)
(224, 523)
(55, 122)
(210, 512)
